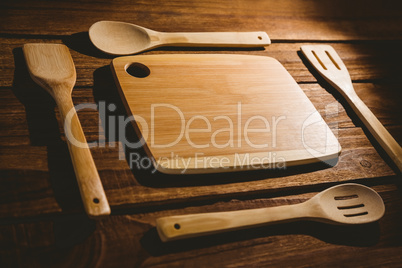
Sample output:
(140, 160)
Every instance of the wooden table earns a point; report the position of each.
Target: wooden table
(42, 222)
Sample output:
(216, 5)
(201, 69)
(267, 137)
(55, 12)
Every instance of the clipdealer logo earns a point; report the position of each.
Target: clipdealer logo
(237, 129)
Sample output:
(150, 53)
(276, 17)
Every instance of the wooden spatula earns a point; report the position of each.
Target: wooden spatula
(330, 66)
(52, 67)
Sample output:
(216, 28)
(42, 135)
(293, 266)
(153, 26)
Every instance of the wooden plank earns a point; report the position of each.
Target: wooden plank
(131, 240)
(24, 167)
(28, 157)
(29, 114)
(284, 20)
(365, 61)
(37, 180)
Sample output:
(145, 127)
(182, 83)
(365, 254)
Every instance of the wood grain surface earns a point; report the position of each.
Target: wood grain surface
(131, 240)
(217, 113)
(42, 221)
(284, 20)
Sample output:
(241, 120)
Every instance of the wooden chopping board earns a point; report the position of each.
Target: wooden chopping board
(213, 113)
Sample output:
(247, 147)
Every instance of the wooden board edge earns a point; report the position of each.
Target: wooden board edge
(128, 110)
(243, 162)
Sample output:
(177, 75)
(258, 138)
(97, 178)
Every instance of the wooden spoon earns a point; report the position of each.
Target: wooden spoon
(342, 204)
(51, 66)
(120, 38)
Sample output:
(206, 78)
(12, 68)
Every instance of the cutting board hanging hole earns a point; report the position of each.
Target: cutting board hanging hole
(138, 70)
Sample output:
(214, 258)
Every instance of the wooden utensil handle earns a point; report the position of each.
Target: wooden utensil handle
(328, 63)
(90, 185)
(192, 225)
(382, 136)
(227, 39)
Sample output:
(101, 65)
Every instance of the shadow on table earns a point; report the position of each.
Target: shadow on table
(81, 43)
(44, 130)
(72, 230)
(354, 235)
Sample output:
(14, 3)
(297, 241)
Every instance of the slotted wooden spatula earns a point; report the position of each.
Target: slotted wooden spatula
(330, 66)
(348, 203)
(51, 66)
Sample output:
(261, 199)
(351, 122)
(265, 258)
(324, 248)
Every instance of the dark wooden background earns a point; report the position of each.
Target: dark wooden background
(42, 222)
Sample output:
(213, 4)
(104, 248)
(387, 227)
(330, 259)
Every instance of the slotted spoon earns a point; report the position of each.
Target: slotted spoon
(51, 66)
(330, 66)
(348, 203)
